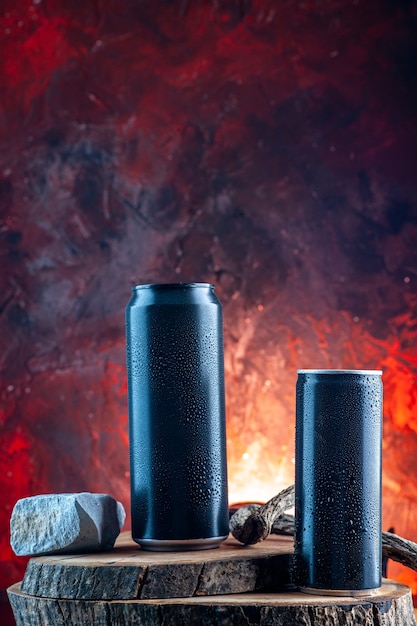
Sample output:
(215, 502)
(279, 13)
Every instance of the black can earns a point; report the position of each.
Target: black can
(338, 481)
(176, 396)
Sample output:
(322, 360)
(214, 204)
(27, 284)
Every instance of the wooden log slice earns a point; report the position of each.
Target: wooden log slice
(127, 572)
(390, 606)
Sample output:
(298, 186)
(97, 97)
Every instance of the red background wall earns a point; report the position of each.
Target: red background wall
(268, 147)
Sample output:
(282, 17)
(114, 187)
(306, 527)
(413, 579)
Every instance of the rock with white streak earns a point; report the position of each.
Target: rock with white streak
(65, 523)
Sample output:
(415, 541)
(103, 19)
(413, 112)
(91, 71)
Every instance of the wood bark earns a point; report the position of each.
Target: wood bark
(391, 606)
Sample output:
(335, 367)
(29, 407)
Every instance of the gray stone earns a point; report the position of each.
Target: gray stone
(65, 523)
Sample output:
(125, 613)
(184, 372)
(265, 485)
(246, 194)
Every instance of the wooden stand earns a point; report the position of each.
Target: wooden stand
(230, 585)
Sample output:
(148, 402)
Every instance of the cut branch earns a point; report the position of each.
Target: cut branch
(398, 549)
(253, 523)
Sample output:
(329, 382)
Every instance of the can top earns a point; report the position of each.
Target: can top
(364, 372)
(163, 286)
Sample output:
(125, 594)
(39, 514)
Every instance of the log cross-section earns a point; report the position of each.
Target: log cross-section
(391, 606)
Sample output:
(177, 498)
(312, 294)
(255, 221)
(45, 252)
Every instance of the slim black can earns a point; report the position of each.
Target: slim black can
(175, 364)
(338, 481)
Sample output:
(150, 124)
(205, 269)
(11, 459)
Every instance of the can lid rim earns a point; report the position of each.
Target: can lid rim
(336, 371)
(171, 285)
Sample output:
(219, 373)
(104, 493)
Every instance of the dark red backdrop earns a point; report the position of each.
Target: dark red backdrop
(268, 147)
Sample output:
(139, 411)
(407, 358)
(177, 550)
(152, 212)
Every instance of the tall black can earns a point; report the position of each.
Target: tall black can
(338, 481)
(177, 434)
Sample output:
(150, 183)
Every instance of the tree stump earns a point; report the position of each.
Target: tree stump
(130, 586)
